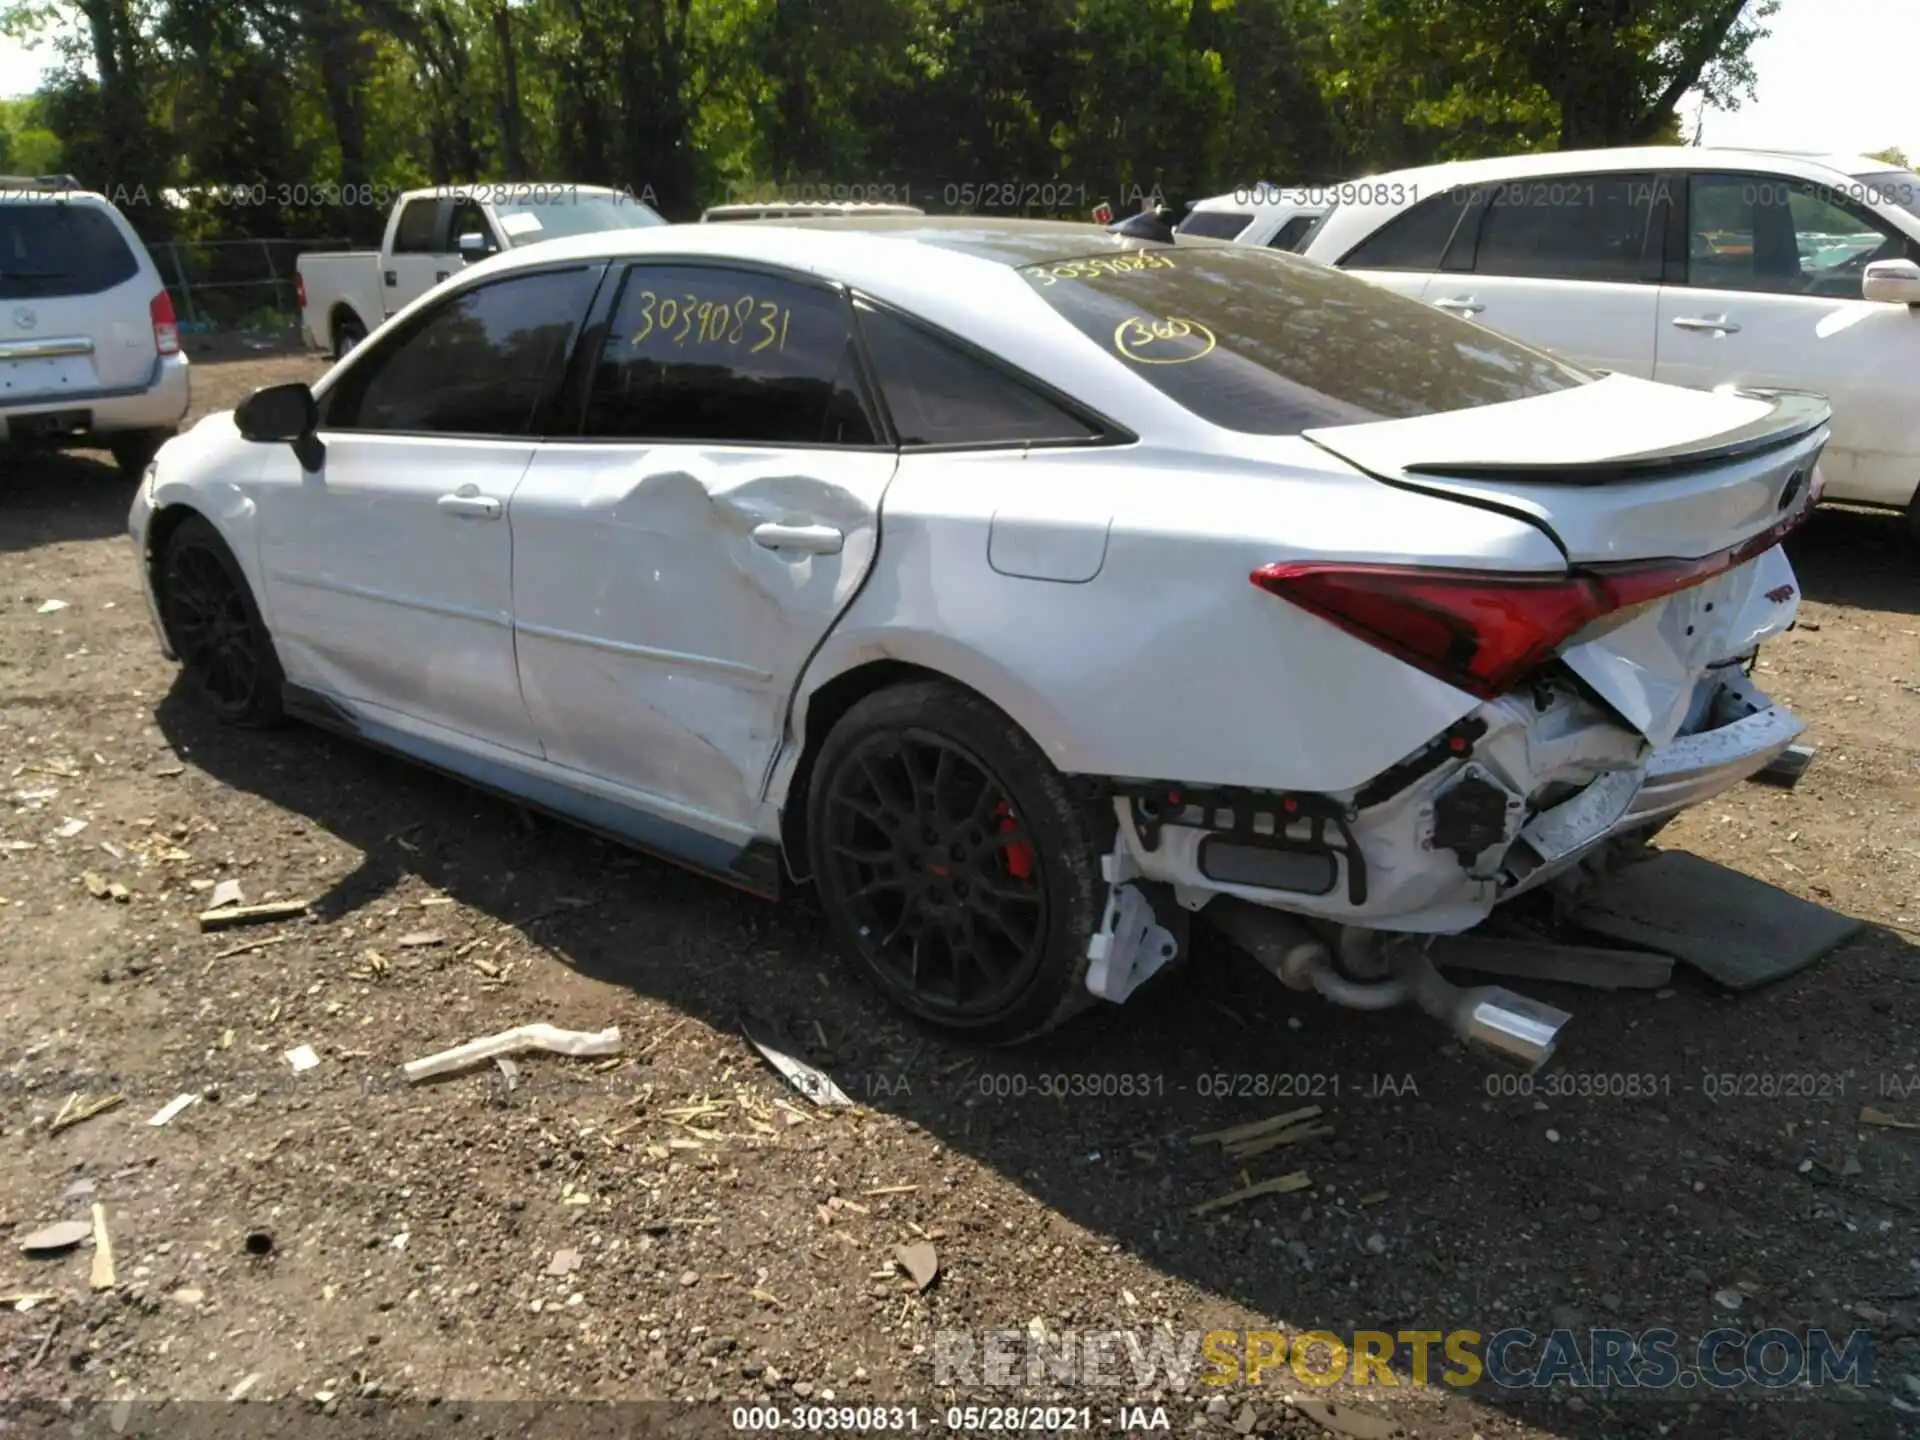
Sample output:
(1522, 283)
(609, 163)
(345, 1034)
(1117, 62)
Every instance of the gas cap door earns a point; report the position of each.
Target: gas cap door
(1033, 545)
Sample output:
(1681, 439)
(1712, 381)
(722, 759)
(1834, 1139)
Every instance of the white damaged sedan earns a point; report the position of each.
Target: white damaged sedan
(1025, 587)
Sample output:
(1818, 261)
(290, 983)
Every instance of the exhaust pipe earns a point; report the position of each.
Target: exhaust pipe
(1489, 1017)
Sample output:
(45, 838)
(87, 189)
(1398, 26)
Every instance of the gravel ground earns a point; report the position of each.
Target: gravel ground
(678, 1223)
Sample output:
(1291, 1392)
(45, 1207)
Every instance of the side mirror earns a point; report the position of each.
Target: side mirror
(1895, 281)
(283, 414)
(473, 246)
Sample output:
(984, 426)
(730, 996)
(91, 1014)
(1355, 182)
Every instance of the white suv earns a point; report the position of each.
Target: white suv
(1696, 267)
(89, 351)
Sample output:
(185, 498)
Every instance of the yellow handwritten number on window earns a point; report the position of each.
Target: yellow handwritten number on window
(1166, 341)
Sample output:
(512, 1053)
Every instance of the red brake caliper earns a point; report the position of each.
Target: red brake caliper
(1019, 855)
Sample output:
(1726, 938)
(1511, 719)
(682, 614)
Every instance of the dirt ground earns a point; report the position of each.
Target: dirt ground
(678, 1223)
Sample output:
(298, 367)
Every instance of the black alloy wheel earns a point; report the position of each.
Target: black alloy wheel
(215, 628)
(952, 862)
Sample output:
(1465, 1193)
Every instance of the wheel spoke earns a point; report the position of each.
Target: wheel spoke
(865, 854)
(874, 815)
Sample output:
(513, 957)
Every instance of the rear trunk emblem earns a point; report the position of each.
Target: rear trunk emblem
(25, 318)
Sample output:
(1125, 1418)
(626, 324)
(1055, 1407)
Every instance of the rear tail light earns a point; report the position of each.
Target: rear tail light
(1484, 630)
(300, 289)
(166, 330)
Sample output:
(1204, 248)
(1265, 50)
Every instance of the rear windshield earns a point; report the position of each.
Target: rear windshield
(567, 212)
(1270, 344)
(1215, 224)
(52, 248)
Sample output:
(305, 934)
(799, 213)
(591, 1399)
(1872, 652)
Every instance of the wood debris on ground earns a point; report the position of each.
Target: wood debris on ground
(1257, 1137)
(510, 1042)
(79, 1108)
(102, 1276)
(1873, 1115)
(250, 945)
(1279, 1185)
(251, 914)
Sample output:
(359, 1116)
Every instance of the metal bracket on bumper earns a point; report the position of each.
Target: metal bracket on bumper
(1131, 944)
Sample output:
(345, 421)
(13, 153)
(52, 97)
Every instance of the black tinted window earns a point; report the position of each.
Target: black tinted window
(1588, 227)
(1787, 237)
(731, 356)
(415, 233)
(939, 395)
(1215, 224)
(1414, 240)
(1269, 343)
(53, 248)
(477, 364)
(1289, 235)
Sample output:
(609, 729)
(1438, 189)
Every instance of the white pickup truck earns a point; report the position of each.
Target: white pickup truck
(432, 233)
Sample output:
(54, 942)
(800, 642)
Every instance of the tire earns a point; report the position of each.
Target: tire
(134, 451)
(347, 333)
(215, 628)
(953, 864)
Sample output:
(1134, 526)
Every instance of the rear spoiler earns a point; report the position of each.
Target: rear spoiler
(1795, 414)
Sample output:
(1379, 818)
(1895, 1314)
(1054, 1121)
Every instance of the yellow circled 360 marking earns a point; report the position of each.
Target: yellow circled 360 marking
(1136, 332)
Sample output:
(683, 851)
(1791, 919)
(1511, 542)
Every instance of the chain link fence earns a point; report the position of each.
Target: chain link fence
(221, 286)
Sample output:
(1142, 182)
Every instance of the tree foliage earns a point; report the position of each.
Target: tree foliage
(1036, 104)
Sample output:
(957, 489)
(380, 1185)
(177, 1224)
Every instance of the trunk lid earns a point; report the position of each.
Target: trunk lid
(1626, 470)
(1620, 469)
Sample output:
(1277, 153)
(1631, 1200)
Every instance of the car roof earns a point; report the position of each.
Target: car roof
(846, 246)
(805, 209)
(1640, 157)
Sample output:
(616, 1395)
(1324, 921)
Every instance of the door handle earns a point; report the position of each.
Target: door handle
(807, 539)
(1719, 324)
(440, 275)
(392, 277)
(1460, 305)
(470, 505)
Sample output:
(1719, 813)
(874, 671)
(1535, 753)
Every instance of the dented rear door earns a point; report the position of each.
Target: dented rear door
(675, 566)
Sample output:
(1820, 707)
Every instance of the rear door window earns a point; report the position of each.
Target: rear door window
(53, 248)
(704, 353)
(1272, 344)
(1582, 227)
(937, 394)
(1215, 224)
(1413, 240)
